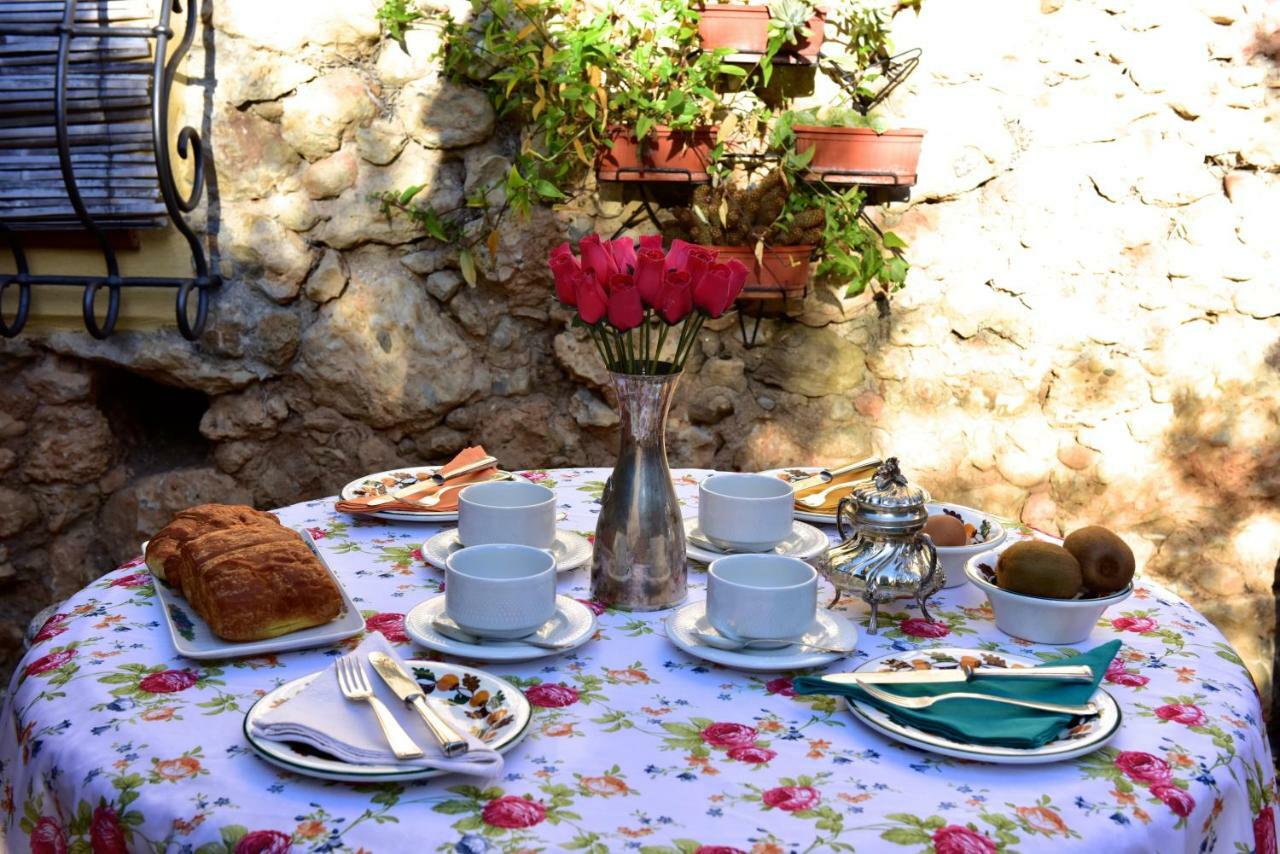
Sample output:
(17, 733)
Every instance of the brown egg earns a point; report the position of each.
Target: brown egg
(946, 530)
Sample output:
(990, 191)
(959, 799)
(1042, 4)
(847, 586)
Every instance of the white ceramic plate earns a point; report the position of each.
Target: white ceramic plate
(571, 550)
(806, 542)
(193, 638)
(304, 760)
(575, 625)
(1086, 737)
(407, 474)
(829, 629)
(795, 473)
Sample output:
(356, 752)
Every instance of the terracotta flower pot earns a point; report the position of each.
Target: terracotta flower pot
(666, 155)
(745, 29)
(784, 271)
(874, 158)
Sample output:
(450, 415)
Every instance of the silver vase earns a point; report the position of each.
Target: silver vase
(638, 563)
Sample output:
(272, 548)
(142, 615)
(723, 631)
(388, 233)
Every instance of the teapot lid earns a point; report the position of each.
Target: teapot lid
(888, 501)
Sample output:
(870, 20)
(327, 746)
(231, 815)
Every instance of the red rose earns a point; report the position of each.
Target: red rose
(52, 628)
(918, 627)
(1134, 624)
(264, 842)
(700, 260)
(792, 798)
(738, 273)
(651, 241)
(168, 682)
(729, 735)
(47, 837)
(1117, 675)
(597, 258)
(781, 685)
(594, 606)
(52, 661)
(624, 254)
(317, 533)
(1181, 713)
(754, 755)
(105, 834)
(567, 275)
(511, 811)
(1143, 767)
(390, 625)
(955, 839)
(591, 299)
(1264, 830)
(137, 579)
(551, 696)
(678, 255)
(625, 309)
(676, 300)
(711, 294)
(1175, 799)
(718, 849)
(650, 268)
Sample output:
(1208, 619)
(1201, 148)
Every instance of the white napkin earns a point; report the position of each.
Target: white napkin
(320, 716)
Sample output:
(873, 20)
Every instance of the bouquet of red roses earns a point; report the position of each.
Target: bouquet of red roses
(623, 290)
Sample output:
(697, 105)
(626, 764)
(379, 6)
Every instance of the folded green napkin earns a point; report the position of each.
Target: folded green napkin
(978, 721)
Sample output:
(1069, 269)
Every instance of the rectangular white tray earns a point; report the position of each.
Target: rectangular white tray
(193, 638)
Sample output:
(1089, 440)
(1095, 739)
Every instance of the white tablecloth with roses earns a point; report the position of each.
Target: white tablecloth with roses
(111, 742)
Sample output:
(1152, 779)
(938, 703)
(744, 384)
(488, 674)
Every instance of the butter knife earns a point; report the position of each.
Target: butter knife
(404, 687)
(436, 479)
(869, 465)
(1063, 673)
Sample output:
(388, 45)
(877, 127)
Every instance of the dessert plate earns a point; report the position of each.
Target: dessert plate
(571, 550)
(575, 625)
(403, 477)
(791, 475)
(1085, 737)
(806, 542)
(193, 638)
(828, 629)
(505, 725)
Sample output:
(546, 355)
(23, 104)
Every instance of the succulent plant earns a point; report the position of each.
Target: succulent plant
(790, 16)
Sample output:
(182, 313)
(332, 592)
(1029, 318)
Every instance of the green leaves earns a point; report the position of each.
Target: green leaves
(395, 16)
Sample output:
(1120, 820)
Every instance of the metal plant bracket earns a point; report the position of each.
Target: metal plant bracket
(188, 145)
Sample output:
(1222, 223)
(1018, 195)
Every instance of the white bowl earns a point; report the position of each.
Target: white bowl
(952, 559)
(1038, 618)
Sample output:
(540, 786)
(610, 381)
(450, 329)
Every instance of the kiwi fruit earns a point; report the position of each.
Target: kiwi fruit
(1106, 561)
(1039, 569)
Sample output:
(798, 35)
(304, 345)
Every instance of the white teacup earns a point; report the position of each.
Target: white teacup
(500, 590)
(761, 596)
(745, 512)
(514, 511)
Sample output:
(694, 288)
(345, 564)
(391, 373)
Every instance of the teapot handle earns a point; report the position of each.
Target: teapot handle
(926, 542)
(840, 516)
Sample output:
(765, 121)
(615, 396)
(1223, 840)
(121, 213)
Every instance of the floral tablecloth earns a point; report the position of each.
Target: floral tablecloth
(111, 742)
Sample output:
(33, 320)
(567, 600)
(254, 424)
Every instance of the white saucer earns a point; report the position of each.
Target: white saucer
(806, 542)
(828, 629)
(571, 550)
(575, 625)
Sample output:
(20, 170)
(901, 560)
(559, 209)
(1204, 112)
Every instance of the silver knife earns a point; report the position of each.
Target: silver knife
(436, 479)
(404, 686)
(1065, 673)
(869, 465)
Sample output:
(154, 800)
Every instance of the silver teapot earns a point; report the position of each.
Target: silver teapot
(887, 556)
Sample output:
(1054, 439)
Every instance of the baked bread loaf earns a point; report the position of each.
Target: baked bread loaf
(246, 575)
(163, 550)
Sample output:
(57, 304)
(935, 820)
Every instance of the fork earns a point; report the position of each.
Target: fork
(434, 498)
(354, 682)
(1087, 710)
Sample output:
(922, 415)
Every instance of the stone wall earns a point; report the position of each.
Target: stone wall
(1090, 331)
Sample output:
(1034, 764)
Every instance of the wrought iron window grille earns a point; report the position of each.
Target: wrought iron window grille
(188, 145)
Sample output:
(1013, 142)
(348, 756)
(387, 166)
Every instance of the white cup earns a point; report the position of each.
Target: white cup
(500, 591)
(514, 512)
(761, 596)
(745, 512)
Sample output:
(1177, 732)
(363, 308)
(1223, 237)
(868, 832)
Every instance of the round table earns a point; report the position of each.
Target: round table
(109, 739)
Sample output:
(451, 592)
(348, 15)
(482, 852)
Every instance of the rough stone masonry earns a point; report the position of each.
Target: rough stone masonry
(1090, 332)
